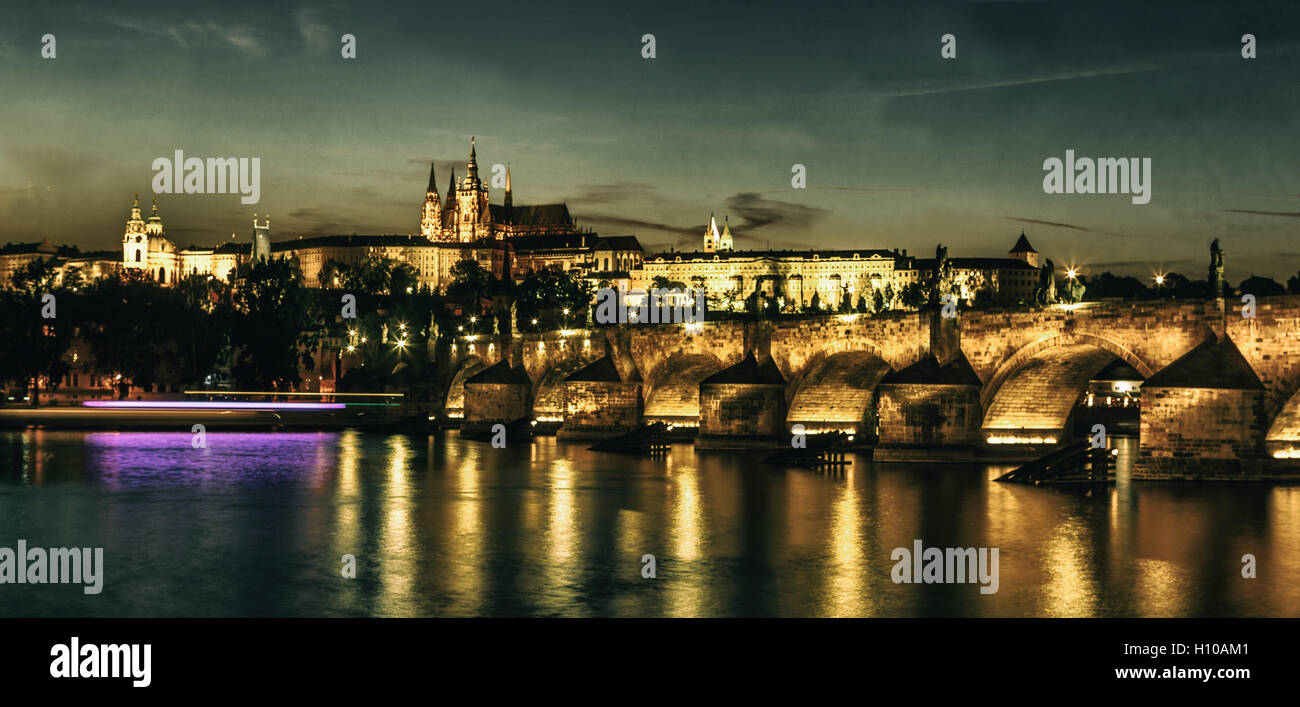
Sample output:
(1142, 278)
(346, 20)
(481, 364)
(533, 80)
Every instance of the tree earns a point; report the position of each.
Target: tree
(877, 301)
(38, 276)
(1260, 286)
(544, 295)
(1108, 285)
(33, 345)
(276, 325)
(913, 295)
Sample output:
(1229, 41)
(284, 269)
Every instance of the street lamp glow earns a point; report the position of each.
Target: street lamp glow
(1160, 279)
(1071, 273)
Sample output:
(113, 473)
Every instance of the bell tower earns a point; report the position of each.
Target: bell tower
(135, 240)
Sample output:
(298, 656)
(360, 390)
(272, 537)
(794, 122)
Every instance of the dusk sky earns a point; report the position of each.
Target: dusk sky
(903, 148)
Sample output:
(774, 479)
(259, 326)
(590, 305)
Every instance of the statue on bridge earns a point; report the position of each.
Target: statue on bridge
(1045, 293)
(944, 281)
(1216, 269)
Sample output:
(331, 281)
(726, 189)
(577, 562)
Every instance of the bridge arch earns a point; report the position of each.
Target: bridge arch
(835, 389)
(466, 368)
(673, 387)
(1035, 389)
(1284, 427)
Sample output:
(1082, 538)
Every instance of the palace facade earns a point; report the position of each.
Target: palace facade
(796, 277)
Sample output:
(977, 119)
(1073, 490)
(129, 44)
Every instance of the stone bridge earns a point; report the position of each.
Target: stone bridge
(1220, 395)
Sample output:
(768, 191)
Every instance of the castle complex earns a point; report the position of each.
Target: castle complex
(508, 240)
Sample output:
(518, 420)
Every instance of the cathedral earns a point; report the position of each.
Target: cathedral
(467, 215)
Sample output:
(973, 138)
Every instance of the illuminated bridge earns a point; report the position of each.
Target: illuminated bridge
(1220, 395)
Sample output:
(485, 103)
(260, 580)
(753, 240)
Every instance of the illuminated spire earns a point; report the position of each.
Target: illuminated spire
(433, 188)
(472, 177)
(509, 199)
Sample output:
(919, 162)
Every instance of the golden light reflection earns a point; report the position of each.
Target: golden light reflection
(1071, 588)
(1159, 588)
(687, 532)
(466, 578)
(347, 501)
(848, 593)
(398, 567)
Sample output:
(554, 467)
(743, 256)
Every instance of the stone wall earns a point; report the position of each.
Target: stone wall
(1200, 432)
(496, 402)
(742, 409)
(927, 414)
(595, 409)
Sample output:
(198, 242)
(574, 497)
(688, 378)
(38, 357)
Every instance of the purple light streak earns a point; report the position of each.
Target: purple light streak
(204, 405)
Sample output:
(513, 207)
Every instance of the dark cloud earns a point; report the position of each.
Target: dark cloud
(757, 211)
(635, 224)
(616, 193)
(1153, 265)
(1289, 214)
(1059, 224)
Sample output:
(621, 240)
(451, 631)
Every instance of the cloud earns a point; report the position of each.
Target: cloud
(1058, 224)
(756, 211)
(1153, 265)
(616, 193)
(1026, 81)
(196, 33)
(871, 190)
(315, 34)
(1290, 214)
(632, 223)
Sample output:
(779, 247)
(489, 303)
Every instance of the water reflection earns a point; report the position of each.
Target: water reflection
(257, 524)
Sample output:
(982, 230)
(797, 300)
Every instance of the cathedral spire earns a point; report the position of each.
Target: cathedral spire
(451, 189)
(473, 162)
(509, 201)
(433, 188)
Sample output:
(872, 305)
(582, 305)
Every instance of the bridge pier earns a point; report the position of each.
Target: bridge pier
(599, 402)
(929, 412)
(742, 406)
(1203, 417)
(499, 393)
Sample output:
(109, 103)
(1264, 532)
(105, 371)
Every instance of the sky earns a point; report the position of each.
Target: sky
(902, 147)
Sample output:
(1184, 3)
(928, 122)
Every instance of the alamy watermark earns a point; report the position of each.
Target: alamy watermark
(654, 306)
(103, 660)
(953, 565)
(56, 565)
(216, 175)
(1105, 175)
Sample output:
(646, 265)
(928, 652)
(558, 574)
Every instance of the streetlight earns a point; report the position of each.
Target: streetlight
(566, 317)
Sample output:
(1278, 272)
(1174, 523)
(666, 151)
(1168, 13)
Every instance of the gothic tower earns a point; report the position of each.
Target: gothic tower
(725, 241)
(473, 219)
(711, 235)
(449, 215)
(431, 218)
(509, 200)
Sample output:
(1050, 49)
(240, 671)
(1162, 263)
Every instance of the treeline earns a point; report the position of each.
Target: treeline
(263, 329)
